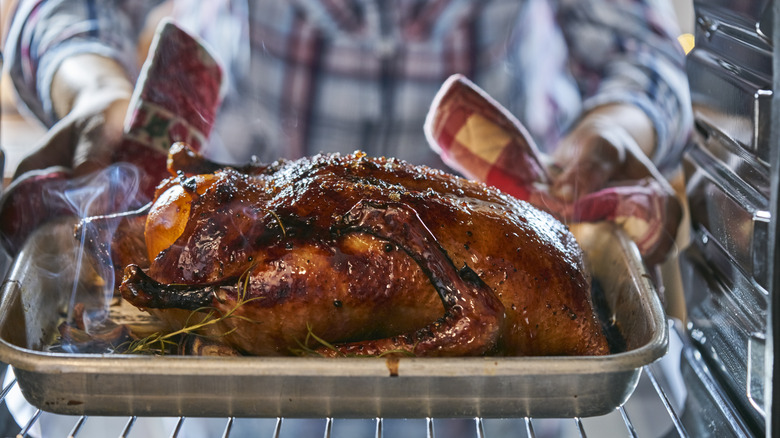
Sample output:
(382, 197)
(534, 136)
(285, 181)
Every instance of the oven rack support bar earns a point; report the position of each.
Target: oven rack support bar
(665, 400)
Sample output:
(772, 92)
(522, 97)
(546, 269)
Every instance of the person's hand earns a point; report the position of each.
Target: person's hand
(602, 171)
(92, 118)
(83, 140)
(91, 95)
(609, 144)
(77, 146)
(604, 161)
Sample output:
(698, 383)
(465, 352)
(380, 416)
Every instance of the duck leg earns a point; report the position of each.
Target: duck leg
(473, 316)
(144, 292)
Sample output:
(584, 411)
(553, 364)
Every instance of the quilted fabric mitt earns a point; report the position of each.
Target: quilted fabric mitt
(482, 140)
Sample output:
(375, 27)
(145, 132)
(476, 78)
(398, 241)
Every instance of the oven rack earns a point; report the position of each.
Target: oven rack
(655, 409)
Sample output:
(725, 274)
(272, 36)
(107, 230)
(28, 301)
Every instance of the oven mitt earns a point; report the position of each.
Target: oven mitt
(479, 138)
(176, 98)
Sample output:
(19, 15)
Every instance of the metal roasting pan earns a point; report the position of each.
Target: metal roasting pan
(37, 292)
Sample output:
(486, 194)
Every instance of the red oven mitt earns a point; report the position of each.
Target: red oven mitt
(479, 138)
(176, 98)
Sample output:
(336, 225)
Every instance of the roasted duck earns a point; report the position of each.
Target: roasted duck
(352, 255)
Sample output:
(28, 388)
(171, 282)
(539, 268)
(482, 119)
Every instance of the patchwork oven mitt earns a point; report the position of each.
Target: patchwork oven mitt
(479, 138)
(176, 98)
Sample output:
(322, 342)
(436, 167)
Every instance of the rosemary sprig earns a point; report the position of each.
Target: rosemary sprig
(304, 349)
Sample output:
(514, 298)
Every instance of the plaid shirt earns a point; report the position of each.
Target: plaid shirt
(306, 76)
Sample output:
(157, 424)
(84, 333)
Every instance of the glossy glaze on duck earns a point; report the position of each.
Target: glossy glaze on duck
(370, 255)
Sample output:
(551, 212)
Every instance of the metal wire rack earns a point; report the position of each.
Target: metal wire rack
(654, 409)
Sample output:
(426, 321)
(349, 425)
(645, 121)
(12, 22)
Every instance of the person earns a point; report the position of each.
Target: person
(316, 76)
(599, 84)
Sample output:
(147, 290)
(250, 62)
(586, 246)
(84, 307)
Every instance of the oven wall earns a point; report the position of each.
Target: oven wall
(725, 269)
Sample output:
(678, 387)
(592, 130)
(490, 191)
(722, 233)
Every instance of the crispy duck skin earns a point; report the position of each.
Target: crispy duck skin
(371, 255)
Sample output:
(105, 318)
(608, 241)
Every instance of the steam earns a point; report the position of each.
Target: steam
(112, 190)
